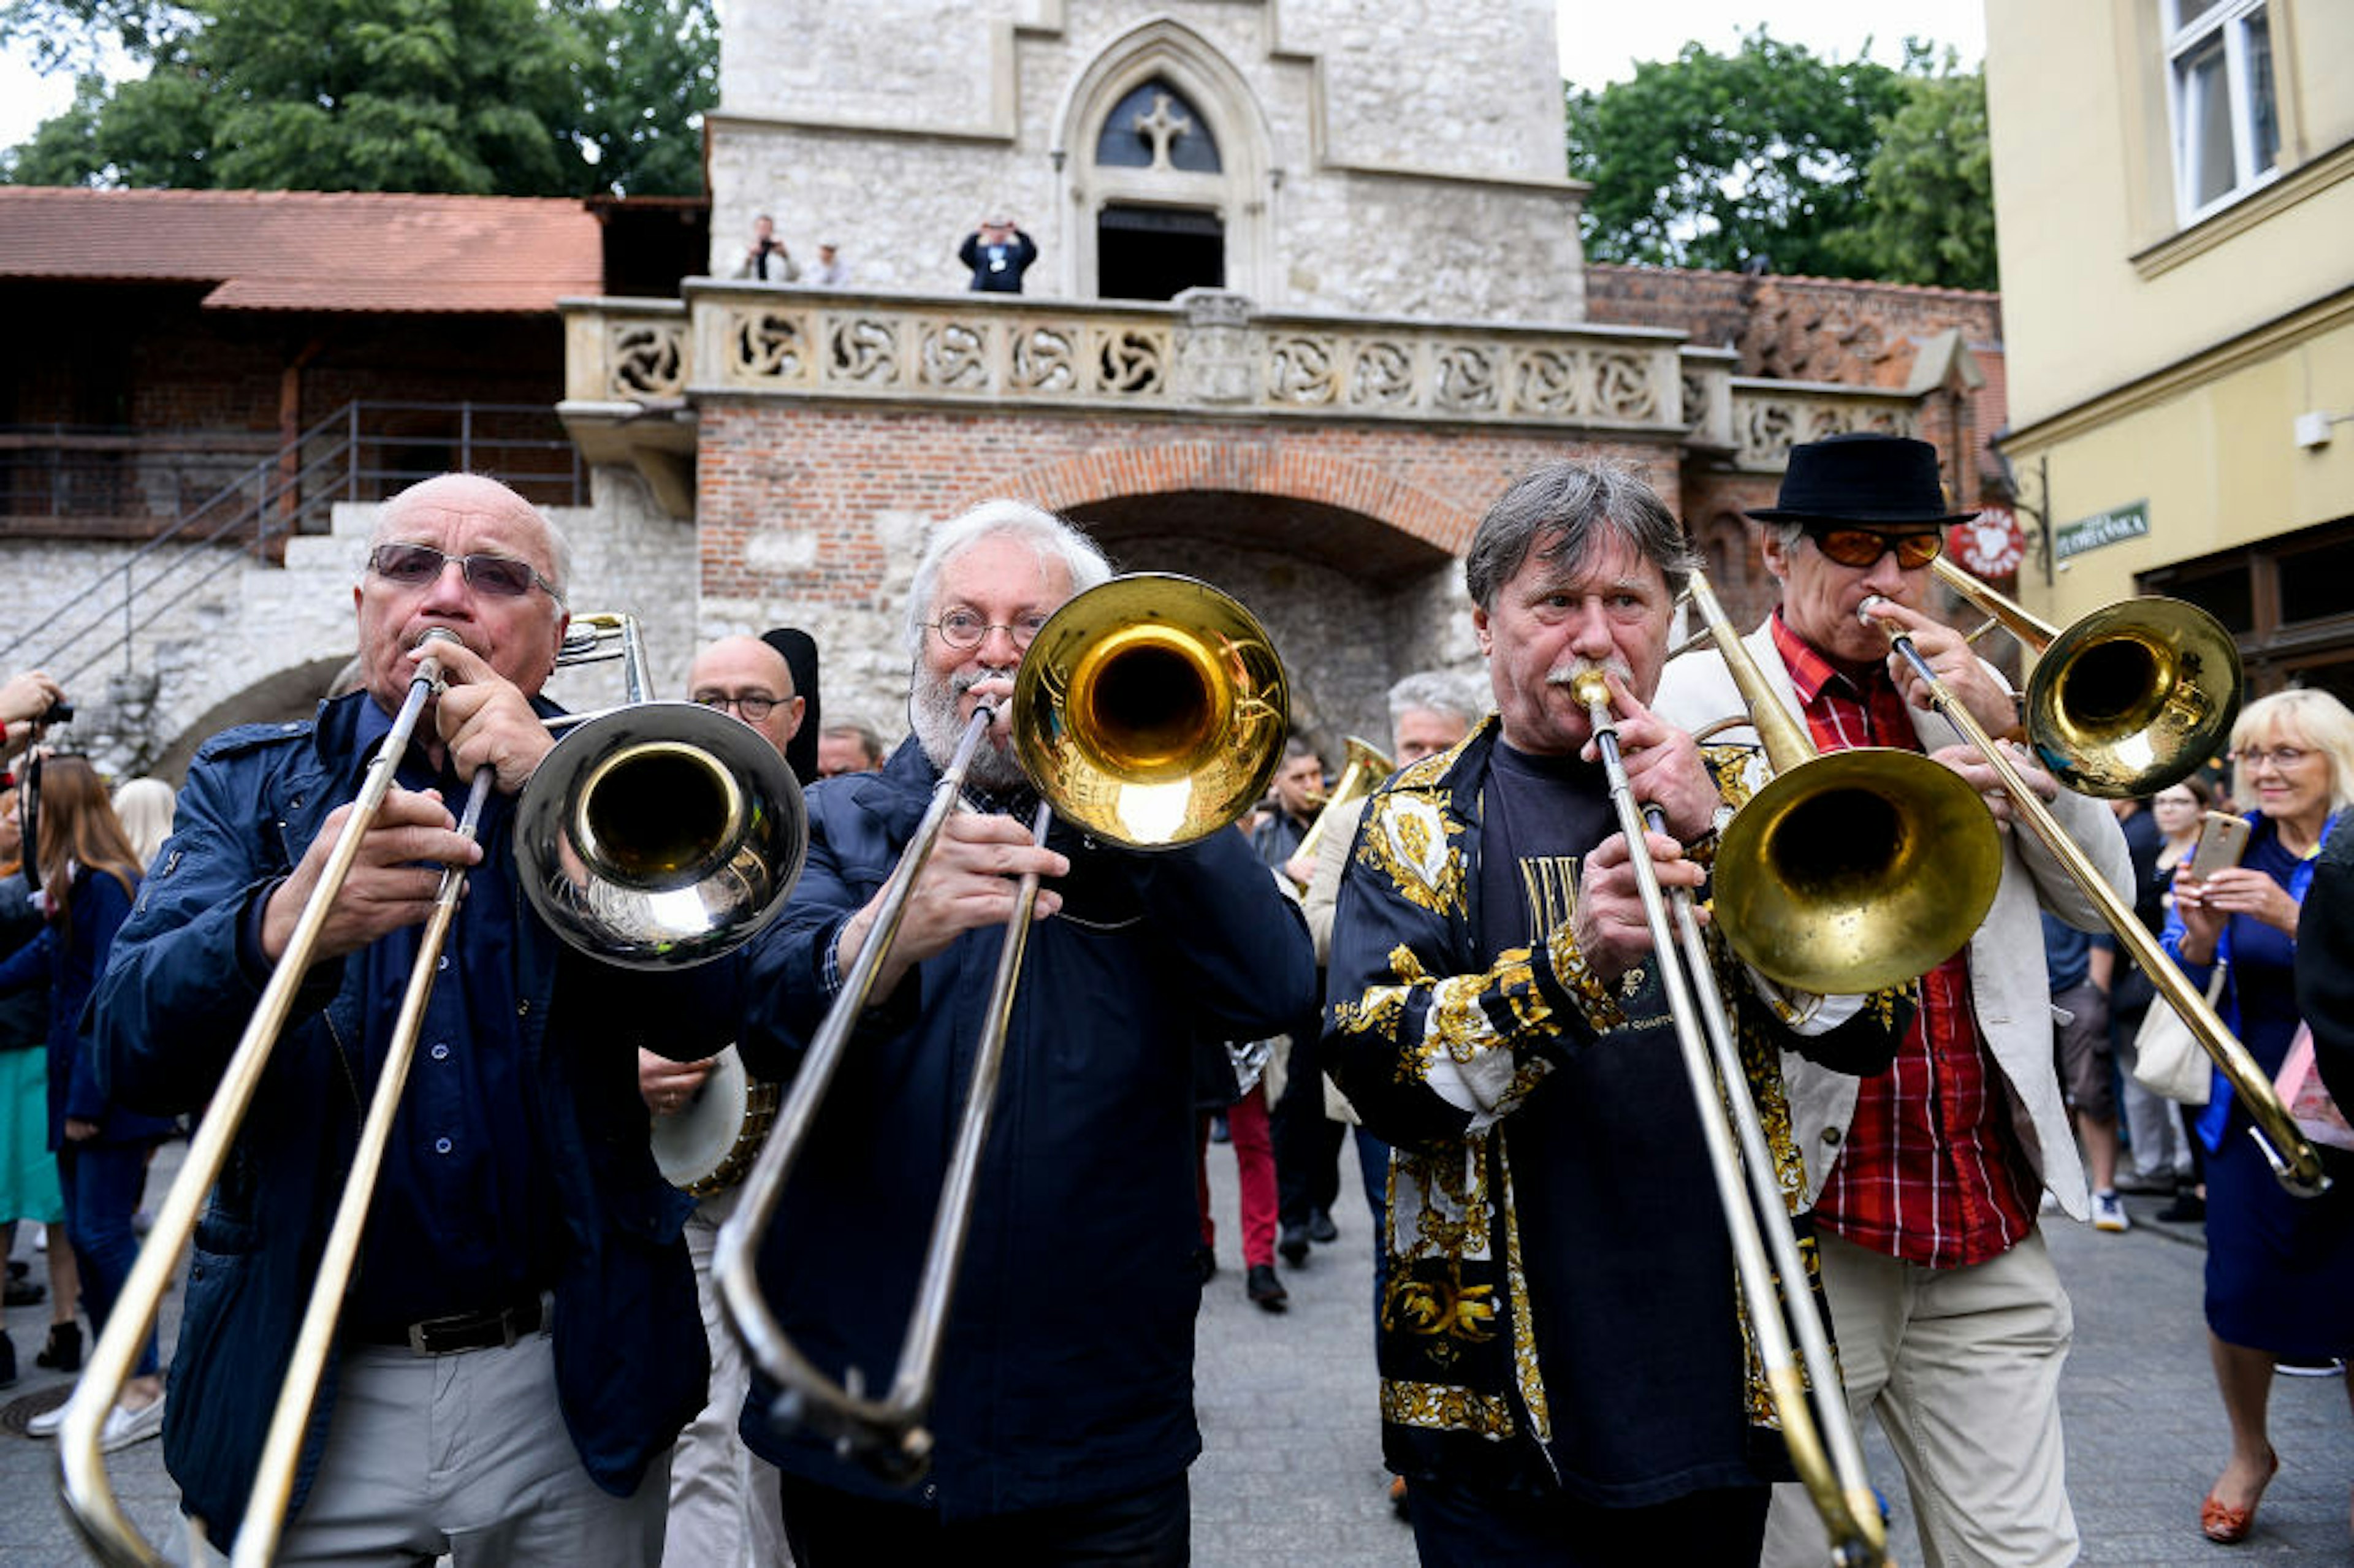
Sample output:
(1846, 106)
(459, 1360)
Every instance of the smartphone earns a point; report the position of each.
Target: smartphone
(2221, 838)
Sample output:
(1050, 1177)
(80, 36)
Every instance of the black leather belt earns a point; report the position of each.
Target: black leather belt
(489, 1329)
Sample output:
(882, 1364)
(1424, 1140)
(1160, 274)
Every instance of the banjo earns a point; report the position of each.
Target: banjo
(709, 1144)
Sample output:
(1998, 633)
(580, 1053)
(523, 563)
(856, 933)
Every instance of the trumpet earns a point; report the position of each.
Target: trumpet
(690, 741)
(2294, 1161)
(1733, 1141)
(1149, 709)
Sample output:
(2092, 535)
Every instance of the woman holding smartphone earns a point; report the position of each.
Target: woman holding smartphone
(2280, 1270)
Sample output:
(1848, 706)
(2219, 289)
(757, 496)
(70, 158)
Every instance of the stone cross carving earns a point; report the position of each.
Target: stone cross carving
(1163, 126)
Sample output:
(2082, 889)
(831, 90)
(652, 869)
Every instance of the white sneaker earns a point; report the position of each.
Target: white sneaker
(126, 1425)
(46, 1423)
(2109, 1213)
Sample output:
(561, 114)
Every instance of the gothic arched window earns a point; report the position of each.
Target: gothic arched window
(1154, 128)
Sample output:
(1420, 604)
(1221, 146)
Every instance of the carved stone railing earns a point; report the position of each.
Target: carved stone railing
(1771, 416)
(1211, 351)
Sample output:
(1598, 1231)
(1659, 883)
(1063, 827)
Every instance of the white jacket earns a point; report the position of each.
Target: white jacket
(2009, 990)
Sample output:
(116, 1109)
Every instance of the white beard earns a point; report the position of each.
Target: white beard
(932, 705)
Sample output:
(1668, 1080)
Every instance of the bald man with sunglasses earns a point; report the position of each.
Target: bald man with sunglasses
(1926, 1180)
(521, 1344)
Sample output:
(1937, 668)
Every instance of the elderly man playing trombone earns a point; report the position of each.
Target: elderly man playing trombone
(1064, 1415)
(1925, 1180)
(521, 1344)
(1564, 1376)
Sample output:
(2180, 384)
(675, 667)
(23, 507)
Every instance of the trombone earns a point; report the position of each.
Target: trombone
(693, 750)
(2104, 657)
(1150, 711)
(1835, 1480)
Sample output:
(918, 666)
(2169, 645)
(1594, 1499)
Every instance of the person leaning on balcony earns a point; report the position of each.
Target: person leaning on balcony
(766, 259)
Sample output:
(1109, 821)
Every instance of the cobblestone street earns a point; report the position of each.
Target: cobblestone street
(1292, 1469)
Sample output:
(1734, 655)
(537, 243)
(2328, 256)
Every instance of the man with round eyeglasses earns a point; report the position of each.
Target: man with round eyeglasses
(521, 1345)
(1064, 1415)
(1926, 1180)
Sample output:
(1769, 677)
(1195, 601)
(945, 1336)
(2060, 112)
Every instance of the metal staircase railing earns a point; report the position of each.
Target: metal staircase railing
(353, 454)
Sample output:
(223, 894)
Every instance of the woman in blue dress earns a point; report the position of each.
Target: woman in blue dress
(2280, 1269)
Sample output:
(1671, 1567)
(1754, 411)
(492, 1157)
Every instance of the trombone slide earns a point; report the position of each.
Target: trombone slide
(1835, 1480)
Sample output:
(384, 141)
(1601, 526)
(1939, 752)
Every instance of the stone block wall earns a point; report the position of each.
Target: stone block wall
(259, 641)
(1403, 147)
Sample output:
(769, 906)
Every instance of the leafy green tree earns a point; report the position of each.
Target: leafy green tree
(1711, 160)
(506, 96)
(1929, 192)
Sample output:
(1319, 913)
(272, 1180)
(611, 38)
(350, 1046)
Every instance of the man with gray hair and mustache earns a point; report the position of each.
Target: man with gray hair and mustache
(1564, 1376)
(1064, 1417)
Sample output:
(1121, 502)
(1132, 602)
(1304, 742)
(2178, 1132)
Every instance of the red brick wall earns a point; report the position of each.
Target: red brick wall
(1797, 329)
(832, 472)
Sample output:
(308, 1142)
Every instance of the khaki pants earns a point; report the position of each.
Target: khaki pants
(1962, 1367)
(723, 1498)
(467, 1455)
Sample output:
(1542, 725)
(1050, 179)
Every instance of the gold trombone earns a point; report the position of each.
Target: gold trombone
(1846, 874)
(592, 793)
(2154, 664)
(1149, 709)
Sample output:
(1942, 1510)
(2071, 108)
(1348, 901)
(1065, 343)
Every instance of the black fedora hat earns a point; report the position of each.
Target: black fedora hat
(1862, 479)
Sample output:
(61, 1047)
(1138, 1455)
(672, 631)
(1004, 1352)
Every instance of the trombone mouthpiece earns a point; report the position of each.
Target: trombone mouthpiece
(1587, 684)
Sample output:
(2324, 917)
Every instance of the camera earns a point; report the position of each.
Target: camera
(60, 712)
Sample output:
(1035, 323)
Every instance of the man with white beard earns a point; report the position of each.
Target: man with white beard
(1064, 1419)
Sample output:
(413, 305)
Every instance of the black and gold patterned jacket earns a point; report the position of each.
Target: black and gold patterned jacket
(1437, 1046)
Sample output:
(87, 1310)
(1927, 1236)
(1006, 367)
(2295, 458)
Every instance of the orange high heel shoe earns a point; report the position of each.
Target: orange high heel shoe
(2229, 1526)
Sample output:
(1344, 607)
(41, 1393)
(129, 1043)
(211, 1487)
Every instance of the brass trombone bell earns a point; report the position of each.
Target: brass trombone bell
(1150, 710)
(659, 836)
(1852, 870)
(2127, 700)
(1859, 870)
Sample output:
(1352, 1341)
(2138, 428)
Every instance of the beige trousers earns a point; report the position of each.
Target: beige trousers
(1962, 1367)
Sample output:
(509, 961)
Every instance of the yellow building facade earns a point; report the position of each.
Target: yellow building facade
(2174, 188)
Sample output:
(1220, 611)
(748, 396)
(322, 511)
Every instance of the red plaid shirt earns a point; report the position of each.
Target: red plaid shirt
(1931, 1170)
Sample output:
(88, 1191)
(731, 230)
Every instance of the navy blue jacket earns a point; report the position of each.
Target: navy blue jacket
(70, 962)
(631, 1360)
(1067, 1371)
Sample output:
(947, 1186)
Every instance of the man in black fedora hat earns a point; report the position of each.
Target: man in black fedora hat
(1926, 1180)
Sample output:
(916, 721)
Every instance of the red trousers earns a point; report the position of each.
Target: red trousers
(1255, 1162)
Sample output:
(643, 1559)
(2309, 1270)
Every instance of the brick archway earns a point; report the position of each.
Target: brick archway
(1073, 484)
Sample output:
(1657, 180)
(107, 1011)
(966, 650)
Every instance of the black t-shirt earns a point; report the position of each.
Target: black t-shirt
(1630, 1276)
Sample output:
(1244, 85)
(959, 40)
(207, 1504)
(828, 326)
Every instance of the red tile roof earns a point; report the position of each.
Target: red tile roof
(311, 250)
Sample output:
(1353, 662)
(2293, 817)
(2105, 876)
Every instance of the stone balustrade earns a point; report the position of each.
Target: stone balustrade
(633, 368)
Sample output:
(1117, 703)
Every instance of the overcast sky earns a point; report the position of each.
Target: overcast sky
(1600, 40)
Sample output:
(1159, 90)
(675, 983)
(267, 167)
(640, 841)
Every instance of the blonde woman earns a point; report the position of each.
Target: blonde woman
(144, 807)
(2280, 1270)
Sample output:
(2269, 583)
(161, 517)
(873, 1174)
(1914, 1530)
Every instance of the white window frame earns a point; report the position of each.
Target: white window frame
(2228, 20)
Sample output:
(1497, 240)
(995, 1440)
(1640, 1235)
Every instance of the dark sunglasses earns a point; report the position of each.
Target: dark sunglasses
(501, 577)
(1862, 547)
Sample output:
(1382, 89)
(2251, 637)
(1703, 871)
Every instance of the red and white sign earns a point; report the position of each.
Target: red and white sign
(1989, 546)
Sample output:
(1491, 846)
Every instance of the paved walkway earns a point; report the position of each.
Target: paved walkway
(1292, 1468)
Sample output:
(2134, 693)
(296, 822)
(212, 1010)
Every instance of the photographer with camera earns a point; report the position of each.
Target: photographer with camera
(766, 259)
(26, 703)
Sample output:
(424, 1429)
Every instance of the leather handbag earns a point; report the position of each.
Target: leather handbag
(2168, 1058)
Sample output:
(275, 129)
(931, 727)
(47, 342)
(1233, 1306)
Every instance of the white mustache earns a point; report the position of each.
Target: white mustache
(1563, 674)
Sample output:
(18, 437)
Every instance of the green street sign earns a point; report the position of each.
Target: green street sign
(2130, 521)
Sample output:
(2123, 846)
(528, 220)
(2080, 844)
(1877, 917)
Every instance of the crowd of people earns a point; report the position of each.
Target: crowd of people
(1454, 967)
